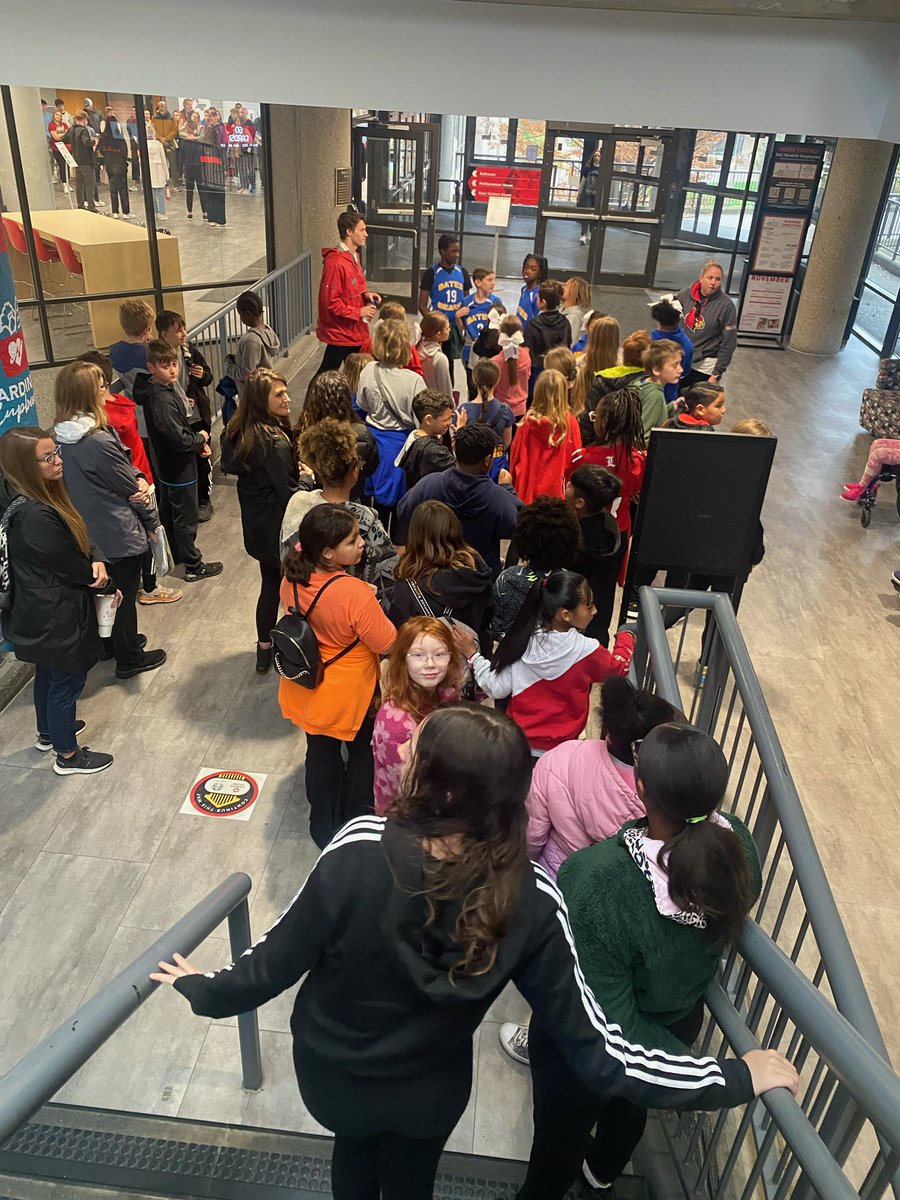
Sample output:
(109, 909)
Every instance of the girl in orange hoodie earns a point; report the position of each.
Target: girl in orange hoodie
(545, 441)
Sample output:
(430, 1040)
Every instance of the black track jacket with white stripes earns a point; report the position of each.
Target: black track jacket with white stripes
(378, 1002)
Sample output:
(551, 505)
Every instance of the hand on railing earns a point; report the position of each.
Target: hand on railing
(169, 972)
(768, 1069)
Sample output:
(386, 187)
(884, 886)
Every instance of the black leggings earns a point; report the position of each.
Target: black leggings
(565, 1112)
(333, 358)
(191, 181)
(267, 604)
(338, 790)
(388, 1166)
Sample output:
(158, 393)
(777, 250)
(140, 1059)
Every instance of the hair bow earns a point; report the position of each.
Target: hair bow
(298, 546)
(670, 299)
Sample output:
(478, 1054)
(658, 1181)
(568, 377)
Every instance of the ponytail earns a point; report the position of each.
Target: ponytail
(684, 774)
(324, 527)
(550, 593)
(485, 377)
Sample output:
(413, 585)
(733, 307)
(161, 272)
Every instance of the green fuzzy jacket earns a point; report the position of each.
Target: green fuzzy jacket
(646, 970)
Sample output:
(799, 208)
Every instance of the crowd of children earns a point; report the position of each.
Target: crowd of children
(378, 518)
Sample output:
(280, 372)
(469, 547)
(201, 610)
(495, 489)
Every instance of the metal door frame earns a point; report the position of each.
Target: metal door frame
(600, 217)
(426, 139)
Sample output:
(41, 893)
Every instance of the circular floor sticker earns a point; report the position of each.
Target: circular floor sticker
(224, 793)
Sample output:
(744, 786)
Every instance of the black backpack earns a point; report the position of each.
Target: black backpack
(296, 649)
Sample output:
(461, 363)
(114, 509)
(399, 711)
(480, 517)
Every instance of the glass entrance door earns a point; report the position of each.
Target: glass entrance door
(632, 201)
(398, 171)
(602, 201)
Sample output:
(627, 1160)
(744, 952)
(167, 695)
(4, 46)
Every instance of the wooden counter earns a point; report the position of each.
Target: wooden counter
(115, 256)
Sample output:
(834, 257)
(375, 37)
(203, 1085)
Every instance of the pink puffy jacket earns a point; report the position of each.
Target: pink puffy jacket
(577, 798)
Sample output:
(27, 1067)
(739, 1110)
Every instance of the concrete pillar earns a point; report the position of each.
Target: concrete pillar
(33, 147)
(849, 209)
(308, 145)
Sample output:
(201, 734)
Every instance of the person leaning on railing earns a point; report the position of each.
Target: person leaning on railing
(651, 909)
(407, 929)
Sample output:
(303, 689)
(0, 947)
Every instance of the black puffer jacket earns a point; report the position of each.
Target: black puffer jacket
(53, 621)
(267, 479)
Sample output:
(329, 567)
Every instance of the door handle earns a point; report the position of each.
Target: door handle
(632, 220)
(570, 215)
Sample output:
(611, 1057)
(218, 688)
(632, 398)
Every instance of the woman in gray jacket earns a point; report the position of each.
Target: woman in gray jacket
(113, 499)
(710, 321)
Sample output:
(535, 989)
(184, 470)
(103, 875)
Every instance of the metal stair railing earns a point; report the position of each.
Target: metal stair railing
(794, 958)
(288, 304)
(44, 1070)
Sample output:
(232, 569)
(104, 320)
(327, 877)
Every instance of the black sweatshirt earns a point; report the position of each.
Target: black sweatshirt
(378, 1002)
(174, 442)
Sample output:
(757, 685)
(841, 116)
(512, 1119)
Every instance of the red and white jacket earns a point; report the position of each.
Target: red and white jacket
(342, 295)
(550, 685)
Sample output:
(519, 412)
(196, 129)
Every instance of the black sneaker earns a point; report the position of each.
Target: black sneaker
(152, 660)
(206, 511)
(83, 762)
(204, 570)
(42, 741)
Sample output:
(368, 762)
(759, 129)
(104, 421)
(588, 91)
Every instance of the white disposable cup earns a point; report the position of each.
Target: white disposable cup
(106, 614)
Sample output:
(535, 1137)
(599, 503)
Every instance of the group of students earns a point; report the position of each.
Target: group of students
(93, 505)
(379, 516)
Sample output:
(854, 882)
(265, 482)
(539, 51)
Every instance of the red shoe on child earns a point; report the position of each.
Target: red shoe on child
(852, 491)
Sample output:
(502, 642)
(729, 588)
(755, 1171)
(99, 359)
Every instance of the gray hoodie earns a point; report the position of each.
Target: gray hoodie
(99, 477)
(257, 347)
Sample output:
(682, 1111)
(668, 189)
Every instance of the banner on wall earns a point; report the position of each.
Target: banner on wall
(17, 405)
(787, 197)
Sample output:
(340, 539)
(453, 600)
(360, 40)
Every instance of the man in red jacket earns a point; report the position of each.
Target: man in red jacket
(345, 303)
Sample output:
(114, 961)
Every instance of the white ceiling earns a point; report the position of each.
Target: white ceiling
(825, 77)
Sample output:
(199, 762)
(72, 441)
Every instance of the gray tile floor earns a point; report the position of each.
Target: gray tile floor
(93, 869)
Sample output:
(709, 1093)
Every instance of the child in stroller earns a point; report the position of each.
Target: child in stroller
(882, 465)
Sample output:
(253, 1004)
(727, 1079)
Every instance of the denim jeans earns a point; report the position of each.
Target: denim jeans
(55, 694)
(159, 201)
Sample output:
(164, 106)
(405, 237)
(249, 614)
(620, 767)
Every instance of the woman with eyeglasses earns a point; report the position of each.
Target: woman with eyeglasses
(423, 670)
(113, 498)
(51, 575)
(407, 929)
(652, 909)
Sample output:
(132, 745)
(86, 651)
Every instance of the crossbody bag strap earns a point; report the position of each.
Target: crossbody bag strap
(308, 614)
(5, 573)
(423, 603)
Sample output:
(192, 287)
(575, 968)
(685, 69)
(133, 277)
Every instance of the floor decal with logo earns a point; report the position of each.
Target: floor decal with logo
(223, 793)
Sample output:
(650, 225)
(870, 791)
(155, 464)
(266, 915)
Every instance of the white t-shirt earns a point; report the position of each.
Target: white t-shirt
(386, 395)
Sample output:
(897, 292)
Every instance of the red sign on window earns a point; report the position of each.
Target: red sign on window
(522, 184)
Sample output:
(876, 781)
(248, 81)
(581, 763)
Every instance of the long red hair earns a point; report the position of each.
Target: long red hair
(396, 683)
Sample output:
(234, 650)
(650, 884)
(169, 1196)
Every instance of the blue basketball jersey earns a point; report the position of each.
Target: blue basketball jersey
(447, 291)
(476, 318)
(528, 303)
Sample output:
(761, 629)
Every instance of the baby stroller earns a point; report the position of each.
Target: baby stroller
(866, 498)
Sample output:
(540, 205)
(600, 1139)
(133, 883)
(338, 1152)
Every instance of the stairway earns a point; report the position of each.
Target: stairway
(71, 1153)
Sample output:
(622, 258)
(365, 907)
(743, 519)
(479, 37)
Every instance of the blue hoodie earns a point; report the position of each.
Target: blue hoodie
(486, 509)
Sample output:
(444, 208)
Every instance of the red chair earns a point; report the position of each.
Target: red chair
(73, 265)
(16, 235)
(46, 254)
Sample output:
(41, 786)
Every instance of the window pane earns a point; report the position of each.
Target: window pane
(706, 163)
(743, 167)
(530, 140)
(638, 198)
(565, 171)
(873, 315)
(884, 269)
(697, 216)
(490, 137)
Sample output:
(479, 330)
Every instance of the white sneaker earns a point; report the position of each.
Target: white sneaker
(514, 1040)
(595, 1184)
(583, 239)
(66, 188)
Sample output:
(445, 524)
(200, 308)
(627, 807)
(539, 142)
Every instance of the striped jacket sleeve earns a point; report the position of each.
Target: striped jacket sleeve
(596, 1048)
(286, 951)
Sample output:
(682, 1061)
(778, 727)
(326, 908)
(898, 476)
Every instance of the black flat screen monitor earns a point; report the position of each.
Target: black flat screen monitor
(701, 500)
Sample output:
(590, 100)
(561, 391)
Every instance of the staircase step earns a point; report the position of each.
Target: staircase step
(71, 1153)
